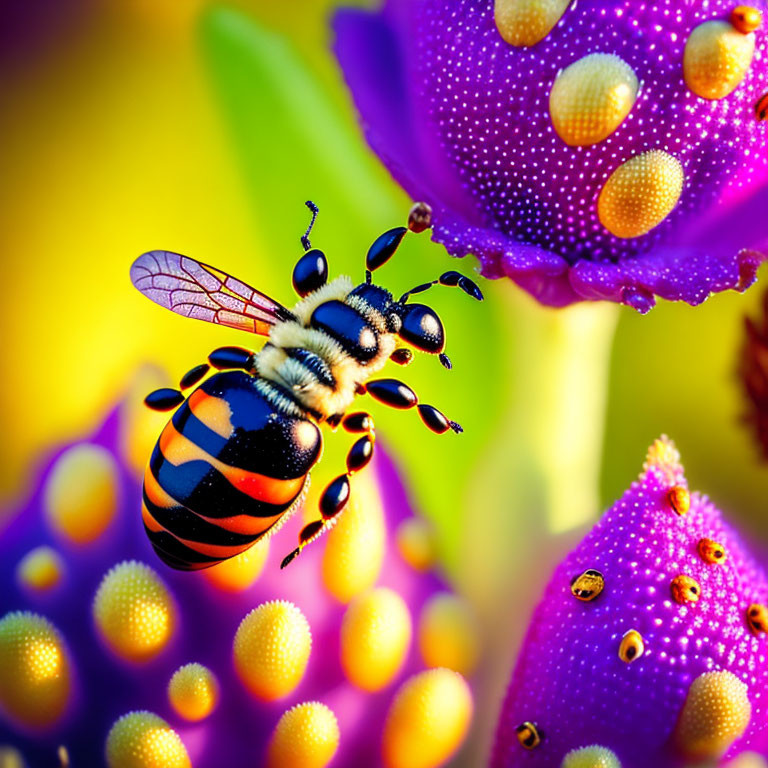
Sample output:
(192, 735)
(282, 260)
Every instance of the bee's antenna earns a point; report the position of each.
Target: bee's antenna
(305, 237)
(450, 279)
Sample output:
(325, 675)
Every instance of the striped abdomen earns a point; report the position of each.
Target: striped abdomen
(226, 469)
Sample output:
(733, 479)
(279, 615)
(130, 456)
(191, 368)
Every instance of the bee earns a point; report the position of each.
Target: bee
(234, 460)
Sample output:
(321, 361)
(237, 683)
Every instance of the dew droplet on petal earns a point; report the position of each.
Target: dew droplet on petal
(306, 736)
(716, 713)
(591, 98)
(80, 494)
(35, 669)
(354, 549)
(527, 22)
(134, 611)
(40, 570)
(238, 573)
(271, 649)
(640, 194)
(593, 756)
(716, 58)
(143, 740)
(375, 638)
(193, 691)
(448, 635)
(631, 647)
(427, 720)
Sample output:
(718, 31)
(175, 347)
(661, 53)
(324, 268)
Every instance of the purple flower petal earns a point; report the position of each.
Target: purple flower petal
(471, 134)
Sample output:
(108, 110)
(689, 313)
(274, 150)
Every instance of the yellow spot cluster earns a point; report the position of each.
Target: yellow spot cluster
(716, 58)
(40, 570)
(144, 740)
(35, 670)
(306, 736)
(591, 98)
(271, 649)
(711, 552)
(427, 720)
(134, 611)
(193, 691)
(416, 543)
(80, 494)
(527, 22)
(447, 634)
(593, 756)
(354, 549)
(241, 571)
(375, 637)
(640, 194)
(716, 713)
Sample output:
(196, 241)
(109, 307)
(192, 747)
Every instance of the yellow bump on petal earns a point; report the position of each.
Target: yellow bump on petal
(11, 758)
(35, 669)
(716, 58)
(40, 570)
(527, 22)
(193, 691)
(238, 573)
(354, 547)
(591, 98)
(640, 194)
(679, 498)
(140, 427)
(716, 713)
(746, 19)
(448, 635)
(593, 756)
(757, 618)
(747, 760)
(685, 589)
(664, 456)
(416, 543)
(427, 720)
(375, 637)
(271, 649)
(144, 740)
(134, 611)
(80, 494)
(306, 736)
(711, 552)
(631, 647)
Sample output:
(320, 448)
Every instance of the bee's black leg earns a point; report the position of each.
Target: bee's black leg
(232, 358)
(336, 494)
(396, 394)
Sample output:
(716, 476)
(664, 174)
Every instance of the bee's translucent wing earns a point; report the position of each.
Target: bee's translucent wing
(192, 289)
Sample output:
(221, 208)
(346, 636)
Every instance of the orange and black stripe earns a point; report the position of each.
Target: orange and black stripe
(225, 469)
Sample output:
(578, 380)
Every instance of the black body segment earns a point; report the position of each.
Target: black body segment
(165, 399)
(383, 247)
(310, 272)
(226, 468)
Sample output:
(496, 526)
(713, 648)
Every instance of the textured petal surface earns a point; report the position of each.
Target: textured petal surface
(472, 133)
(569, 679)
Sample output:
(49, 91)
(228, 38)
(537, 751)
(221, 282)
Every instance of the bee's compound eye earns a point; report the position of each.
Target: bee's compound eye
(588, 585)
(528, 735)
(310, 272)
(685, 589)
(711, 552)
(757, 618)
(632, 646)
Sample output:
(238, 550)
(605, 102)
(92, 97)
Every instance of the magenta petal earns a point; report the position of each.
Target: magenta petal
(570, 680)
